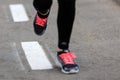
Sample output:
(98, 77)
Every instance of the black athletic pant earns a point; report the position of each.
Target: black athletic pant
(66, 14)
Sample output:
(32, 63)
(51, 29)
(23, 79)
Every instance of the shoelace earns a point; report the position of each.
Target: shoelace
(68, 57)
(40, 21)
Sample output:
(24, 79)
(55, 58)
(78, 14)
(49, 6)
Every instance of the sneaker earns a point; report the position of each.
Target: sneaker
(40, 25)
(67, 63)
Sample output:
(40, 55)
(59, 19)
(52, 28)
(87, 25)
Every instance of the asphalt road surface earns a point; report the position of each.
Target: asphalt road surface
(95, 40)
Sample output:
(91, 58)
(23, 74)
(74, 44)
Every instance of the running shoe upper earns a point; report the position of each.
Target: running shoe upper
(40, 24)
(40, 21)
(66, 59)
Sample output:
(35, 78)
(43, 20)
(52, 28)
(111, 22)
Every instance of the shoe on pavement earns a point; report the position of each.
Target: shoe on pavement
(66, 60)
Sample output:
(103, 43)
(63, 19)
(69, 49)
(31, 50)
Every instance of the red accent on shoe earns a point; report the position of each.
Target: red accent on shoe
(67, 57)
(40, 21)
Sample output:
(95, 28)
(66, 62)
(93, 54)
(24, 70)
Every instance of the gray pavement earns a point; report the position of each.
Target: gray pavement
(95, 40)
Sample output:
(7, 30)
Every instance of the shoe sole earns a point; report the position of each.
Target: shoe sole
(70, 72)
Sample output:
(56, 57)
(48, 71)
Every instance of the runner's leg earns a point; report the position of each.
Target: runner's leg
(66, 14)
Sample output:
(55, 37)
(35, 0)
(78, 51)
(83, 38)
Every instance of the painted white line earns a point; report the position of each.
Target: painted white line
(36, 56)
(18, 13)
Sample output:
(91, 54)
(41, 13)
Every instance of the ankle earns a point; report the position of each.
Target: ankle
(59, 49)
(44, 14)
(64, 50)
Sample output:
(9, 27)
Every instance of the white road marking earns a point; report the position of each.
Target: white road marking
(18, 13)
(36, 56)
